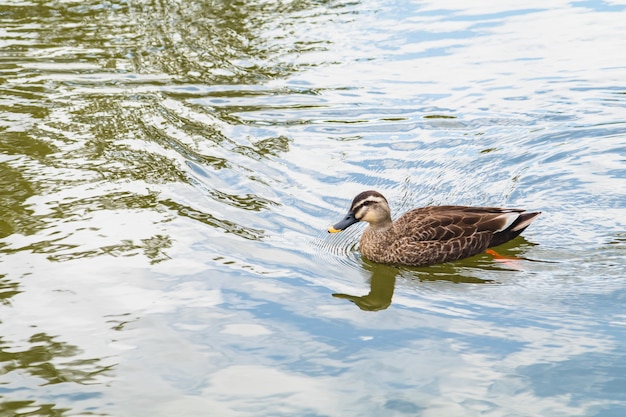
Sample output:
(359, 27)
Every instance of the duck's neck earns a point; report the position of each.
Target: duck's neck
(376, 240)
(380, 232)
(381, 226)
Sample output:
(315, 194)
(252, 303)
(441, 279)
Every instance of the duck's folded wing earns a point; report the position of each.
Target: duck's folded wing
(442, 223)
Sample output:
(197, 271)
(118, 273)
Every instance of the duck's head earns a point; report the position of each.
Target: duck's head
(369, 206)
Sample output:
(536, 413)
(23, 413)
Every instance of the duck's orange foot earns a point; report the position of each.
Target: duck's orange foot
(499, 257)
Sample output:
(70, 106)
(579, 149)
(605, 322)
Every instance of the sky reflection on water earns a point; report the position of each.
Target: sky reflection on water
(168, 170)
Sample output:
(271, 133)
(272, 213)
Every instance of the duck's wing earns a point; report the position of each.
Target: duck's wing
(446, 233)
(441, 223)
(439, 234)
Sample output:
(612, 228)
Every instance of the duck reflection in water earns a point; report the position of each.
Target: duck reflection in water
(383, 281)
(382, 284)
(383, 277)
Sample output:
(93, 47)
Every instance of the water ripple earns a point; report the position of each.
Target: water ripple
(174, 166)
(341, 247)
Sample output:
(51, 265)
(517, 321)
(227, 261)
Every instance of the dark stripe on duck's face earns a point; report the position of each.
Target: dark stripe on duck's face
(372, 196)
(362, 206)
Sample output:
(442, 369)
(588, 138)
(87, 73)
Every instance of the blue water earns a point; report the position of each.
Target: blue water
(168, 172)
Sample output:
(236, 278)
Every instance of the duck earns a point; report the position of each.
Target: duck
(430, 235)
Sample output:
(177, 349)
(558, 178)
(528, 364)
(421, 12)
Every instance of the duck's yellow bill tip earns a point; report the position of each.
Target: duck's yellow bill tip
(333, 230)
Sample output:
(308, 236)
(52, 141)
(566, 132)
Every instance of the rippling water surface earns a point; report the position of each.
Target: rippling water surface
(168, 170)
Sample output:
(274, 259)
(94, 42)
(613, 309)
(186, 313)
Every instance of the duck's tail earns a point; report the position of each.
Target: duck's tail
(515, 228)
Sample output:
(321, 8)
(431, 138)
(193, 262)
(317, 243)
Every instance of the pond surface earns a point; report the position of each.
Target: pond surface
(168, 171)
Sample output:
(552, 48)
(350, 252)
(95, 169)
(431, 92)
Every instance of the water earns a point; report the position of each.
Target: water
(168, 171)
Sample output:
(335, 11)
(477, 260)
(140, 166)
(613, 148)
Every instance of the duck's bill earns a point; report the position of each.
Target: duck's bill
(348, 221)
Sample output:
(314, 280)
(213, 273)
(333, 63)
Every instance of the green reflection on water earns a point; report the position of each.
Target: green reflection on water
(382, 282)
(153, 248)
(216, 42)
(41, 360)
(14, 191)
(8, 289)
(21, 143)
(439, 116)
(89, 130)
(31, 408)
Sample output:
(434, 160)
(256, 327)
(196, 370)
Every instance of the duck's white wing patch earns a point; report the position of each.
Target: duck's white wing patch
(507, 220)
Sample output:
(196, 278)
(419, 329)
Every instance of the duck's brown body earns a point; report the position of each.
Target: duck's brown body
(431, 235)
